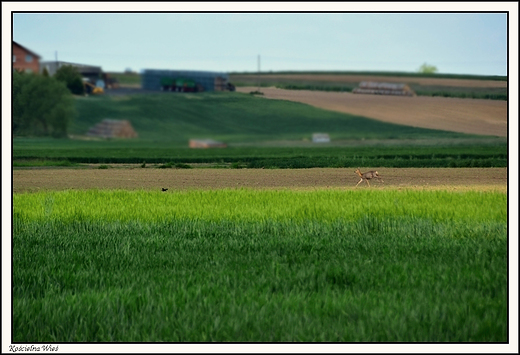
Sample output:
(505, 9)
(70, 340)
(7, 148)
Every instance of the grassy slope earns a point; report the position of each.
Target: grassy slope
(234, 117)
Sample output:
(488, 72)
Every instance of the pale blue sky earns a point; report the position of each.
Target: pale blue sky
(469, 43)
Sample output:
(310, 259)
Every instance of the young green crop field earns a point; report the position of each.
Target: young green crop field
(44, 151)
(241, 265)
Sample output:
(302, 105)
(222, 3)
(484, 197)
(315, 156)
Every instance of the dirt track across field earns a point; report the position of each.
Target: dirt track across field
(474, 116)
(31, 180)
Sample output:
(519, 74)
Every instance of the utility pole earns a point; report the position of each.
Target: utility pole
(258, 72)
(56, 55)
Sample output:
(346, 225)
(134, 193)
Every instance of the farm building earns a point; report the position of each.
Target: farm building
(320, 138)
(25, 59)
(93, 73)
(184, 80)
(368, 87)
(206, 143)
(109, 128)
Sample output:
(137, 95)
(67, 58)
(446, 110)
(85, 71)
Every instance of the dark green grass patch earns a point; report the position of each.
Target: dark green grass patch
(44, 162)
(374, 280)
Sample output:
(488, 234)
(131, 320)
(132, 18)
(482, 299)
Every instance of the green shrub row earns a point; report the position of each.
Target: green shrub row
(292, 162)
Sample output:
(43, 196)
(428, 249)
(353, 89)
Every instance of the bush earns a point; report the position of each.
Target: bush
(165, 166)
(72, 78)
(182, 166)
(42, 106)
(236, 165)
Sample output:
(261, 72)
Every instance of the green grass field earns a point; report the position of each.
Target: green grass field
(253, 265)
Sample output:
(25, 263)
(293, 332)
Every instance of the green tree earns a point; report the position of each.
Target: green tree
(45, 72)
(72, 78)
(42, 106)
(427, 69)
(20, 81)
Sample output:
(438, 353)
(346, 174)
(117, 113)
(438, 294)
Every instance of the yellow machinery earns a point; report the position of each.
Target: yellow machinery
(93, 89)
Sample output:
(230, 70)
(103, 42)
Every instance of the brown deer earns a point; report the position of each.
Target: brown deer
(367, 176)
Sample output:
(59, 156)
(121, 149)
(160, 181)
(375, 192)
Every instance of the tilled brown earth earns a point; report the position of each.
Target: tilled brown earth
(474, 116)
(31, 180)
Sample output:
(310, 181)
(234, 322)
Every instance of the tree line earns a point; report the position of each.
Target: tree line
(44, 105)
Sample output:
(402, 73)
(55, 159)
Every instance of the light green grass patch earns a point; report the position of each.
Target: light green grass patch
(259, 205)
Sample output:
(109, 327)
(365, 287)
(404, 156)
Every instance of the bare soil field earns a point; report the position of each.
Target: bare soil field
(32, 180)
(338, 78)
(474, 116)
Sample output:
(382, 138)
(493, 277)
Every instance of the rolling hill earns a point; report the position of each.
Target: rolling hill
(234, 118)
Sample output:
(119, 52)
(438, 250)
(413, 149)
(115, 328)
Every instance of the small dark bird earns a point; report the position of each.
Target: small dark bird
(163, 189)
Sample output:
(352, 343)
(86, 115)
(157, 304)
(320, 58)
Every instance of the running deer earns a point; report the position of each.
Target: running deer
(367, 176)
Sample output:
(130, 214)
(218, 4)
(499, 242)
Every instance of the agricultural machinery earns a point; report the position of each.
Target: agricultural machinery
(93, 89)
(189, 85)
(179, 85)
